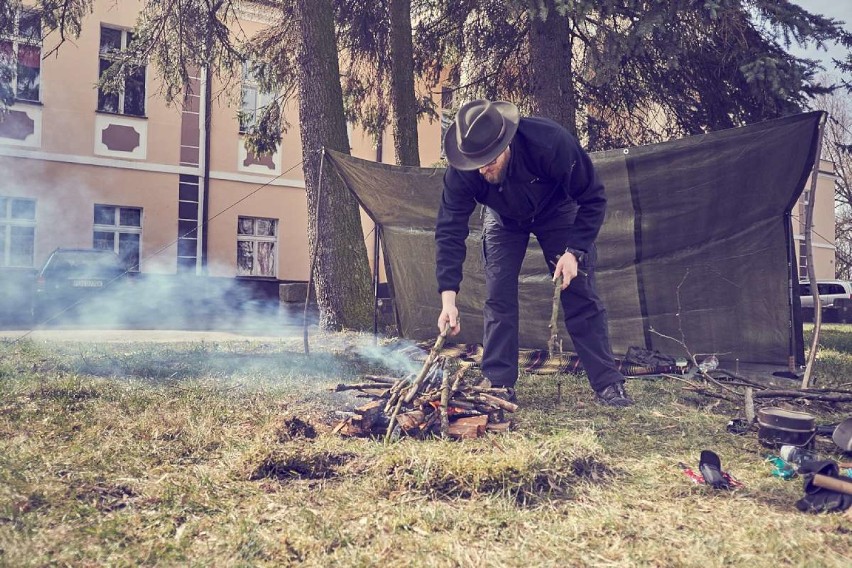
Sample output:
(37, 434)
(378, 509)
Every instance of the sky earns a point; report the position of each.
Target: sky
(837, 9)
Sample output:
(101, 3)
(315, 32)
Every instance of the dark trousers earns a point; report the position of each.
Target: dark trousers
(504, 247)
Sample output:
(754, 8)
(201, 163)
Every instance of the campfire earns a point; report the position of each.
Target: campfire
(433, 402)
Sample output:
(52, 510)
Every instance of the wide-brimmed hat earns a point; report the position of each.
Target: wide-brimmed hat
(481, 131)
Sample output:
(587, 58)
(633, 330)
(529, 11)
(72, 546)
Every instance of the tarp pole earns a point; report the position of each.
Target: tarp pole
(313, 256)
(809, 223)
(375, 280)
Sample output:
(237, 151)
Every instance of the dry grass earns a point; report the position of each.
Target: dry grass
(220, 454)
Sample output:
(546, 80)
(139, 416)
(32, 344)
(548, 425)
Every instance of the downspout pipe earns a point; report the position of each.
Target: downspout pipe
(205, 184)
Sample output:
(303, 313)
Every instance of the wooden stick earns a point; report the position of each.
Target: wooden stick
(395, 394)
(553, 343)
(392, 420)
(445, 400)
(749, 404)
(381, 379)
(498, 402)
(802, 394)
(360, 386)
(833, 483)
(433, 353)
(457, 379)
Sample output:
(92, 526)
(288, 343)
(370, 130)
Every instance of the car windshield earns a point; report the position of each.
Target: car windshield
(85, 262)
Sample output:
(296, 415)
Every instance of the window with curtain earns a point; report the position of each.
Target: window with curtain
(257, 246)
(20, 56)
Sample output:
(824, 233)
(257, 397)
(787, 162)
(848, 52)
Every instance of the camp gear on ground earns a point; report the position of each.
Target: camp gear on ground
(796, 456)
(779, 427)
(843, 435)
(710, 467)
(817, 497)
(781, 468)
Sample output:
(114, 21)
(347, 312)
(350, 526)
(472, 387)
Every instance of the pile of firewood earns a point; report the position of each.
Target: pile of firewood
(430, 403)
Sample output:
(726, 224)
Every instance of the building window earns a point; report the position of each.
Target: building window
(257, 246)
(119, 229)
(254, 100)
(17, 232)
(20, 55)
(130, 98)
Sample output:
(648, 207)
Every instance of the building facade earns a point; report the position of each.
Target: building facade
(822, 232)
(170, 192)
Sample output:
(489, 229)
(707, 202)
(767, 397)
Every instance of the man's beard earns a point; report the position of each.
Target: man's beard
(496, 177)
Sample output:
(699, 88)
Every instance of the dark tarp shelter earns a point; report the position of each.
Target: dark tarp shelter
(696, 245)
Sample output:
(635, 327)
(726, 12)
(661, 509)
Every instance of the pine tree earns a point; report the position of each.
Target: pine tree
(640, 71)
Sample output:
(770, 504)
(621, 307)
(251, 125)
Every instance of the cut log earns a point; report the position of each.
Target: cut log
(411, 421)
(366, 414)
(468, 428)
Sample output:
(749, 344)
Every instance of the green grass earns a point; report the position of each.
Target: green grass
(220, 455)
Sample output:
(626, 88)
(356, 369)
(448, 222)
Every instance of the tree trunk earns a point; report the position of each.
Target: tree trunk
(551, 90)
(341, 273)
(402, 85)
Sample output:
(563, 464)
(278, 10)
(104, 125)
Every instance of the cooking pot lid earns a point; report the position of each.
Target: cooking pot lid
(785, 419)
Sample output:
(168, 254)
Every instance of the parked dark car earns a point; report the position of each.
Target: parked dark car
(83, 285)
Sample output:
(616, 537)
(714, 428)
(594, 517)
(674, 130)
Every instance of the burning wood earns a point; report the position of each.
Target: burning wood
(431, 402)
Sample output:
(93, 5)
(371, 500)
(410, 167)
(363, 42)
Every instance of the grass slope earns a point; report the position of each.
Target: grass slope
(219, 455)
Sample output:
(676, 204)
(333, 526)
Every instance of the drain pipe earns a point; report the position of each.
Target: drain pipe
(205, 184)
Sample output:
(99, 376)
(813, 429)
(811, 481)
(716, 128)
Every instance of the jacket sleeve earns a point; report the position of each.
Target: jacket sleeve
(572, 166)
(451, 230)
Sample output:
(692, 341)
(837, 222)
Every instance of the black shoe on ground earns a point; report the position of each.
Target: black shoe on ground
(614, 395)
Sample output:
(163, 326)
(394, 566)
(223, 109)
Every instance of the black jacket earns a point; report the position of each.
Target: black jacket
(546, 168)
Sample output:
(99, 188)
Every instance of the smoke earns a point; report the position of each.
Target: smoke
(47, 205)
(158, 301)
(395, 357)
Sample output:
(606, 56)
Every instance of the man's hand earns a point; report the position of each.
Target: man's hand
(566, 267)
(449, 313)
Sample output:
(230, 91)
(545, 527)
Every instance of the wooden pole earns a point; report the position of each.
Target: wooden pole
(314, 255)
(809, 223)
(553, 343)
(554, 346)
(445, 401)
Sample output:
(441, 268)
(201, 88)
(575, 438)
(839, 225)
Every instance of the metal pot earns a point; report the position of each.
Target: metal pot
(781, 427)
